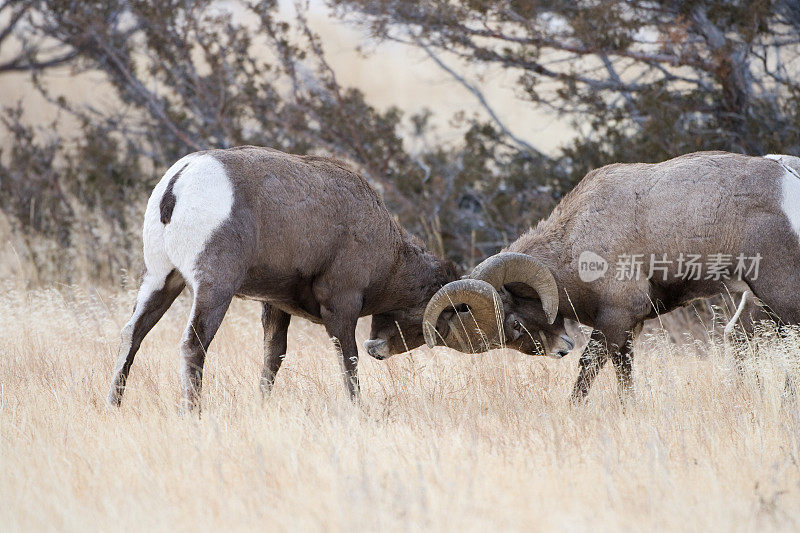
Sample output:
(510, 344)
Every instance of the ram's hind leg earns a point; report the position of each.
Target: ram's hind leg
(210, 304)
(776, 288)
(738, 332)
(156, 294)
(276, 326)
(741, 317)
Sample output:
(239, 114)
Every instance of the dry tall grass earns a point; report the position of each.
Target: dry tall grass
(443, 440)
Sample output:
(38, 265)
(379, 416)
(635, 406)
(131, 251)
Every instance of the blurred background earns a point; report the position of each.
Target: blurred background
(471, 118)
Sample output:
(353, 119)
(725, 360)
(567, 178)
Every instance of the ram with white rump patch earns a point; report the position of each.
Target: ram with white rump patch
(708, 204)
(305, 235)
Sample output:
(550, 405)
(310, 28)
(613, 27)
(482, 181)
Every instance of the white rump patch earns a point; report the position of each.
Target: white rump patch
(204, 198)
(156, 259)
(790, 194)
(790, 163)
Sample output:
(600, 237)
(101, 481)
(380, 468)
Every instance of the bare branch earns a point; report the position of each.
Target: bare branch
(14, 19)
(481, 99)
(21, 64)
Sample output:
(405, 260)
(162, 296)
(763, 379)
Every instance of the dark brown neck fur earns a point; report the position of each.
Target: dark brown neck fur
(416, 275)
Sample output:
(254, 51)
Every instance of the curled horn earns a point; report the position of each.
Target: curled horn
(512, 267)
(473, 331)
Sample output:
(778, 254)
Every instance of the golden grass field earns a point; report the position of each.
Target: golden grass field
(442, 440)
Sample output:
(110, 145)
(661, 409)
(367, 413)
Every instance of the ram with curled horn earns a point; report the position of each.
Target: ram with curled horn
(614, 253)
(306, 236)
(489, 284)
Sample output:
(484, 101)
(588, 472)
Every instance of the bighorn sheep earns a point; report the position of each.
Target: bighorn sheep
(714, 209)
(305, 235)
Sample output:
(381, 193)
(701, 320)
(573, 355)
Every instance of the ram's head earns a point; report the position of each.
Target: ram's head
(510, 299)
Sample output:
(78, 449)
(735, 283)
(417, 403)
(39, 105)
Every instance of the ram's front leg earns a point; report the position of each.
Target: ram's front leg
(340, 315)
(612, 337)
(592, 360)
(622, 357)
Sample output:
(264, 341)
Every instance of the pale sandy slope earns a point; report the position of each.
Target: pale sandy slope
(390, 74)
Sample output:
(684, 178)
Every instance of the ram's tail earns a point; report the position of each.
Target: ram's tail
(168, 200)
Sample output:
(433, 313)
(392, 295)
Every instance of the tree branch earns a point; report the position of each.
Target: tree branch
(19, 64)
(481, 99)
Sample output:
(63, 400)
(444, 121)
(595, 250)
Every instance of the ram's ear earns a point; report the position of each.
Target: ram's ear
(447, 314)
